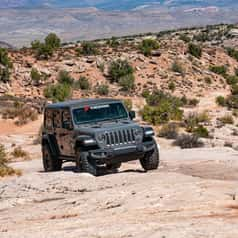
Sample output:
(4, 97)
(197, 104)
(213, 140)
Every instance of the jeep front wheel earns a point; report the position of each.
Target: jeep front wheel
(89, 166)
(150, 161)
(50, 163)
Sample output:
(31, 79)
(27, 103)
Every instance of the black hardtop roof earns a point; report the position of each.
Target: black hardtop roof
(81, 102)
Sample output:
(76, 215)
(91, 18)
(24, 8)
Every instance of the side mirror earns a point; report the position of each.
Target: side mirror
(67, 125)
(132, 114)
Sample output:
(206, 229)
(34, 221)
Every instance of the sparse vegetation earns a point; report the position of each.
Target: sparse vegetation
(58, 92)
(4, 74)
(177, 67)
(102, 89)
(65, 78)
(195, 50)
(221, 101)
(46, 49)
(18, 152)
(169, 131)
(128, 104)
(88, 48)
(147, 45)
(227, 119)
(119, 69)
(201, 131)
(185, 38)
(221, 70)
(187, 141)
(113, 42)
(232, 53)
(4, 59)
(5, 170)
(83, 83)
(171, 86)
(127, 82)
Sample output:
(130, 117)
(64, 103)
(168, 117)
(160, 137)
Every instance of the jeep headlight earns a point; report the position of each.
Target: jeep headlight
(101, 138)
(149, 132)
(138, 133)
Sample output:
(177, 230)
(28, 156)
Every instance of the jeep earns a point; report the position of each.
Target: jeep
(97, 134)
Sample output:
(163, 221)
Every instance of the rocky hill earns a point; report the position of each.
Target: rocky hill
(197, 67)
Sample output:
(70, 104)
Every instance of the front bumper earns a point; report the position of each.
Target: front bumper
(121, 154)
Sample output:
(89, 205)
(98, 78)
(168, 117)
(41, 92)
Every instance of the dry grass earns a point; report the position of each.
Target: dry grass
(18, 152)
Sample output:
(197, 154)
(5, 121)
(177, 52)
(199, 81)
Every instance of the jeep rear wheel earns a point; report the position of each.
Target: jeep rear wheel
(50, 163)
(150, 161)
(89, 166)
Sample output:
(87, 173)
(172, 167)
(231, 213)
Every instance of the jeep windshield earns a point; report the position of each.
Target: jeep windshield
(98, 113)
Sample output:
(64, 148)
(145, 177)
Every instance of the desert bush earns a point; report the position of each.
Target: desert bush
(5, 170)
(65, 78)
(192, 102)
(177, 67)
(22, 113)
(208, 80)
(147, 45)
(4, 59)
(221, 70)
(193, 120)
(88, 48)
(4, 75)
(18, 152)
(102, 90)
(58, 92)
(231, 79)
(232, 101)
(37, 77)
(53, 41)
(227, 119)
(201, 131)
(83, 83)
(232, 53)
(127, 82)
(128, 104)
(195, 50)
(202, 36)
(113, 42)
(46, 49)
(171, 86)
(169, 131)
(119, 69)
(221, 101)
(185, 38)
(186, 141)
(234, 89)
(145, 93)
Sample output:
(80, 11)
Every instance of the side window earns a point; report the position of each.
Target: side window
(56, 119)
(48, 119)
(66, 120)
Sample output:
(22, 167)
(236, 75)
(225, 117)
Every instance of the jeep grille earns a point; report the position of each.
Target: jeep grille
(125, 136)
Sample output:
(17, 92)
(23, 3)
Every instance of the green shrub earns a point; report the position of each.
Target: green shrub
(195, 50)
(171, 86)
(232, 53)
(5, 170)
(58, 92)
(185, 38)
(119, 69)
(169, 131)
(127, 82)
(65, 78)
(192, 102)
(203, 36)
(186, 141)
(221, 101)
(177, 67)
(147, 45)
(53, 41)
(208, 80)
(113, 42)
(221, 70)
(145, 93)
(227, 119)
(4, 75)
(102, 90)
(128, 104)
(201, 131)
(4, 59)
(82, 83)
(234, 89)
(232, 101)
(88, 48)
(46, 49)
(231, 79)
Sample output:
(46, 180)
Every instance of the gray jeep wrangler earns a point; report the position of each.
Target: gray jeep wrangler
(97, 134)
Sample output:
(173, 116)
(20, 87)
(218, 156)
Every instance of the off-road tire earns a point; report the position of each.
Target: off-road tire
(151, 159)
(50, 162)
(89, 166)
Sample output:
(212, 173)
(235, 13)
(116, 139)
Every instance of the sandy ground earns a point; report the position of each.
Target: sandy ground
(192, 194)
